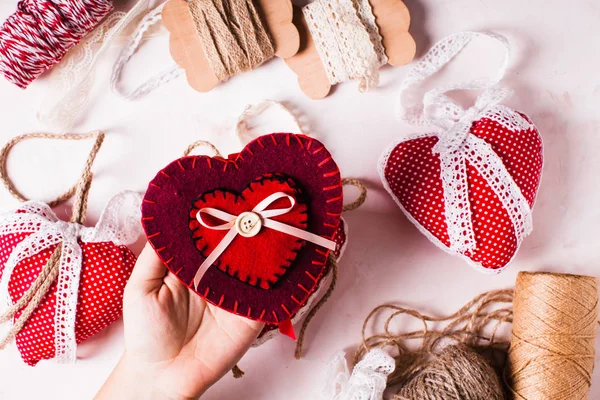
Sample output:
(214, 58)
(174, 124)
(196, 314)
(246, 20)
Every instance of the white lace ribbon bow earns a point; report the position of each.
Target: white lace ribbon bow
(367, 381)
(249, 224)
(46, 231)
(456, 146)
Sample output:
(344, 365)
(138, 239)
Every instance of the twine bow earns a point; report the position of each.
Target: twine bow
(367, 381)
(249, 224)
(456, 145)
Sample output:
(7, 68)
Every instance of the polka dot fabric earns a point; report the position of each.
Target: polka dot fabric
(412, 175)
(105, 271)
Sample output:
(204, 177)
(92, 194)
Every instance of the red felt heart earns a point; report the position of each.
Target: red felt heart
(411, 173)
(105, 271)
(169, 204)
(263, 259)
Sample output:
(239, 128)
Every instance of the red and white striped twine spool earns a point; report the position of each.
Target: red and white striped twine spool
(40, 32)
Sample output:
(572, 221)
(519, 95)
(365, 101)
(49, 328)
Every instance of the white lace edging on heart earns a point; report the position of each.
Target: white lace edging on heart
(317, 294)
(46, 231)
(367, 381)
(347, 40)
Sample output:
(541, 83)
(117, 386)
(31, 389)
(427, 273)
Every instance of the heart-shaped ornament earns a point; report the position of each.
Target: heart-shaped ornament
(413, 172)
(105, 270)
(266, 272)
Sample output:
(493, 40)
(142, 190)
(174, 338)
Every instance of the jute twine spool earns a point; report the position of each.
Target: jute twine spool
(449, 364)
(551, 355)
(233, 35)
(30, 300)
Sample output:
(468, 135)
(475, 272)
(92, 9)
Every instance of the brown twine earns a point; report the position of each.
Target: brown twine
(474, 325)
(552, 346)
(233, 35)
(456, 373)
(362, 196)
(202, 143)
(313, 311)
(99, 136)
(31, 299)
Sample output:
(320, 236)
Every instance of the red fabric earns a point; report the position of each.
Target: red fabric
(40, 32)
(105, 271)
(171, 196)
(413, 175)
(263, 259)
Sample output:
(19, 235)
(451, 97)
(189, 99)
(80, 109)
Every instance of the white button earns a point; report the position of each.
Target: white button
(248, 224)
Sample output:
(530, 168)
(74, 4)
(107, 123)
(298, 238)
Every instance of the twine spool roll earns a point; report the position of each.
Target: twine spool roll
(233, 35)
(551, 356)
(457, 373)
(40, 32)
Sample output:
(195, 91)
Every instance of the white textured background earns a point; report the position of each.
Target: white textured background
(554, 71)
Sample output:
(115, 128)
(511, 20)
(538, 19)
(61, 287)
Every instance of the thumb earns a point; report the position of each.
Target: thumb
(149, 272)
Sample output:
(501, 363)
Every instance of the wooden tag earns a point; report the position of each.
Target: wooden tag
(187, 50)
(393, 20)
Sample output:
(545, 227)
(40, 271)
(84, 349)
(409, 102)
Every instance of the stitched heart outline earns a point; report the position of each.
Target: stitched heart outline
(166, 207)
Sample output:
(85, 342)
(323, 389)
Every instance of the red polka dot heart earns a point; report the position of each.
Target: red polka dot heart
(470, 185)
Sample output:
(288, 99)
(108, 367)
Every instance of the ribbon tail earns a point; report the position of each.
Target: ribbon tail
(109, 228)
(287, 328)
(299, 233)
(213, 256)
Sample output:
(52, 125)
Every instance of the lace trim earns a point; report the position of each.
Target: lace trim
(367, 381)
(481, 156)
(76, 73)
(344, 41)
(74, 78)
(46, 231)
(134, 42)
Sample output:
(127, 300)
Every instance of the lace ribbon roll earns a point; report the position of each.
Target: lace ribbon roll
(347, 39)
(350, 40)
(479, 170)
(40, 32)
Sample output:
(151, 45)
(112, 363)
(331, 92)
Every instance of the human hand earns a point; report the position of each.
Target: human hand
(176, 344)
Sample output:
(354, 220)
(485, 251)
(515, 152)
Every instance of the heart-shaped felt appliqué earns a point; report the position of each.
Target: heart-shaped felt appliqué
(263, 259)
(105, 270)
(271, 276)
(411, 173)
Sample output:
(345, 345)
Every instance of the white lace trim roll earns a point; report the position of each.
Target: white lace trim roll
(76, 73)
(456, 145)
(46, 231)
(347, 40)
(367, 381)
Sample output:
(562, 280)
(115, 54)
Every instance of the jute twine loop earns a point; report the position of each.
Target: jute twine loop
(38, 290)
(313, 311)
(99, 136)
(362, 197)
(202, 143)
(234, 37)
(552, 346)
(243, 127)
